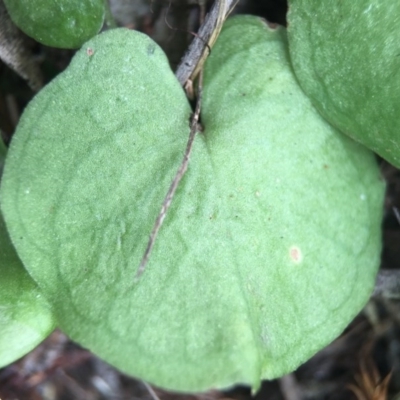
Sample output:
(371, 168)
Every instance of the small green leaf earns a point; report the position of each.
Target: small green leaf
(25, 316)
(271, 244)
(61, 23)
(346, 57)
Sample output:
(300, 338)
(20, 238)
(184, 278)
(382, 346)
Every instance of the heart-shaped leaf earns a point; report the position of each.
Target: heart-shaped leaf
(61, 23)
(271, 244)
(25, 316)
(346, 57)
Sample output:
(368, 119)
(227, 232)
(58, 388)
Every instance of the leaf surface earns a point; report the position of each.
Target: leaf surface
(25, 316)
(346, 57)
(271, 244)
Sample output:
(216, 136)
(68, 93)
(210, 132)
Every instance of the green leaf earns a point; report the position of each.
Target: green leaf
(271, 244)
(25, 316)
(61, 23)
(346, 57)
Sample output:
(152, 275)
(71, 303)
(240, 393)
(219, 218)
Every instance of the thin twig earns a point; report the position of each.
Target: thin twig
(387, 284)
(211, 24)
(396, 214)
(153, 394)
(175, 183)
(290, 388)
(193, 60)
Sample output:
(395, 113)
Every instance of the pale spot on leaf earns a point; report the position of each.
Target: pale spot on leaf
(295, 254)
